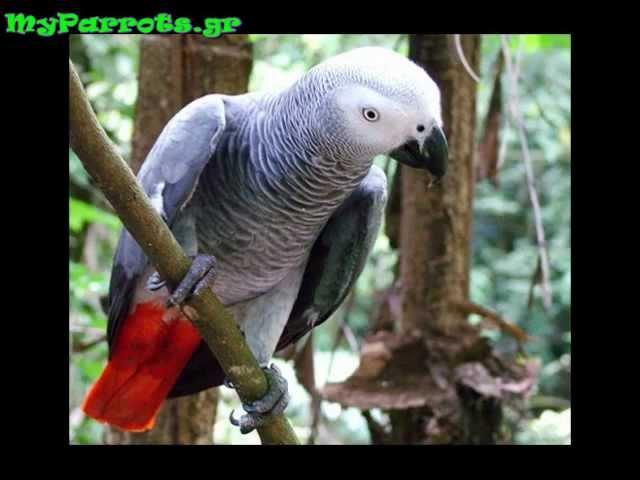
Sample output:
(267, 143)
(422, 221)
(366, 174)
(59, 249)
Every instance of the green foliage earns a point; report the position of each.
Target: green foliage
(504, 244)
(86, 322)
(531, 44)
(504, 247)
(81, 213)
(108, 66)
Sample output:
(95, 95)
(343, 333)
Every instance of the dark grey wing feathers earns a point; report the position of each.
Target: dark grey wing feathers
(169, 176)
(338, 257)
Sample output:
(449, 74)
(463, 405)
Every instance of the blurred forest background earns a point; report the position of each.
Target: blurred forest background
(505, 271)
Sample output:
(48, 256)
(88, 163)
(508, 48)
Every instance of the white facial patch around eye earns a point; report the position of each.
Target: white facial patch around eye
(354, 98)
(400, 111)
(367, 111)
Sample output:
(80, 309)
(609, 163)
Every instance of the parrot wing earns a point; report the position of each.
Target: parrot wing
(338, 257)
(169, 176)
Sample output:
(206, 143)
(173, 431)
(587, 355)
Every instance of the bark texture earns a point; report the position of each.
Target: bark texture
(181, 421)
(435, 235)
(435, 241)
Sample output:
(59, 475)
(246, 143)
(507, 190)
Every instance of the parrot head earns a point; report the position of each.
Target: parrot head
(383, 103)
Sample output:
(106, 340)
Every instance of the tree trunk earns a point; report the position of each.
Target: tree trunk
(435, 251)
(181, 421)
(174, 70)
(436, 223)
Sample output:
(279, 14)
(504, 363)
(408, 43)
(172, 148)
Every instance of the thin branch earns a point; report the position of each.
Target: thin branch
(514, 108)
(341, 331)
(535, 279)
(316, 417)
(75, 328)
(214, 323)
(539, 110)
(316, 399)
(504, 326)
(304, 366)
(350, 337)
(379, 434)
(463, 59)
(97, 336)
(79, 347)
(549, 403)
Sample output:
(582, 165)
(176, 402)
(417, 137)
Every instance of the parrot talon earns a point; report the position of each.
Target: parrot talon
(247, 423)
(273, 403)
(233, 420)
(201, 274)
(154, 282)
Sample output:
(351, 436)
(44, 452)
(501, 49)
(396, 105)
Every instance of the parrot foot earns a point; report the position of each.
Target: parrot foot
(273, 403)
(201, 275)
(154, 282)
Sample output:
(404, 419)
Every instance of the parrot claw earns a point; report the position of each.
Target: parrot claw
(247, 423)
(273, 403)
(201, 275)
(154, 282)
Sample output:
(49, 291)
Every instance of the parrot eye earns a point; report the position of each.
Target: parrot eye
(371, 114)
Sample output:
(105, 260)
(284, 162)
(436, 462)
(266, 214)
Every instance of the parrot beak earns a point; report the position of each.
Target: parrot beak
(433, 157)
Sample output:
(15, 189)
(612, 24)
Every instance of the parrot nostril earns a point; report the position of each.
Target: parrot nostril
(420, 128)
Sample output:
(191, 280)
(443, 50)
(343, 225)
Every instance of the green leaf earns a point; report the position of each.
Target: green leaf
(555, 41)
(81, 212)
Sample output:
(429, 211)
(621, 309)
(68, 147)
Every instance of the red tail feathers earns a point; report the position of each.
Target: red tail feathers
(147, 358)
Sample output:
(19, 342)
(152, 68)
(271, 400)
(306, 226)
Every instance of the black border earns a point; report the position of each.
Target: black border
(36, 211)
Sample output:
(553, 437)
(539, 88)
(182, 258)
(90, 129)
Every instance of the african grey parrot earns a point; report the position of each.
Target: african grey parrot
(276, 198)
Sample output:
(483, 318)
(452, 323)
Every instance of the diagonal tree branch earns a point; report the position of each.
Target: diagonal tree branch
(515, 331)
(216, 326)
